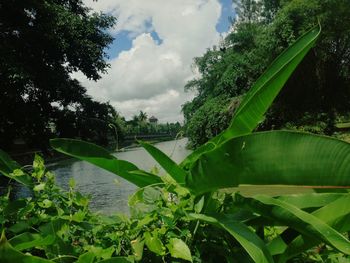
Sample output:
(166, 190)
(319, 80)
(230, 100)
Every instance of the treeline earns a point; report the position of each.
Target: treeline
(316, 96)
(142, 124)
(41, 44)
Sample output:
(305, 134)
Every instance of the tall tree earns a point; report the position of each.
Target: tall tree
(318, 91)
(41, 44)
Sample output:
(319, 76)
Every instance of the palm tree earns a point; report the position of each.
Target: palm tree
(142, 116)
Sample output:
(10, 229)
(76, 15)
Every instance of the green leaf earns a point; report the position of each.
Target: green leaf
(311, 200)
(295, 218)
(335, 214)
(87, 257)
(254, 246)
(11, 169)
(7, 165)
(154, 244)
(137, 247)
(27, 240)
(118, 260)
(9, 255)
(273, 158)
(102, 158)
(261, 95)
(179, 249)
(199, 205)
(175, 171)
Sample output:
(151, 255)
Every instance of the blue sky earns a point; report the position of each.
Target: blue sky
(152, 55)
(123, 40)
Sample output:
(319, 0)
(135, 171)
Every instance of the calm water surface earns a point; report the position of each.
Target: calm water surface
(107, 195)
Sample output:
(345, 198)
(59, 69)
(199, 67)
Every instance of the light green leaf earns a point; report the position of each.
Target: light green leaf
(87, 257)
(102, 158)
(154, 244)
(118, 260)
(137, 247)
(179, 249)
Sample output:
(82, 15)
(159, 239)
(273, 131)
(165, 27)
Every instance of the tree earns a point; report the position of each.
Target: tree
(41, 44)
(318, 91)
(142, 117)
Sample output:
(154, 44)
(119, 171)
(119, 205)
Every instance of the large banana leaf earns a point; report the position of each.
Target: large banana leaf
(10, 255)
(102, 158)
(259, 98)
(254, 246)
(289, 215)
(275, 157)
(335, 214)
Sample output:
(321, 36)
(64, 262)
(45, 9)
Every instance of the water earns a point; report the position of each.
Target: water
(108, 196)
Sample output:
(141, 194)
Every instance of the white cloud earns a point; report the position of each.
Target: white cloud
(151, 76)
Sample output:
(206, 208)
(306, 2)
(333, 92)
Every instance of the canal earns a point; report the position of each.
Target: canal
(109, 193)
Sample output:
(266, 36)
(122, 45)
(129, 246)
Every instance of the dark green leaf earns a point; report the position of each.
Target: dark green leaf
(275, 157)
(9, 255)
(295, 218)
(12, 170)
(254, 246)
(27, 240)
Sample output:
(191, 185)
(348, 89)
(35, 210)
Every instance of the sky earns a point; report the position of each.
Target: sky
(152, 55)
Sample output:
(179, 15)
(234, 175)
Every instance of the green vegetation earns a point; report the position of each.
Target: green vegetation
(182, 216)
(42, 43)
(314, 98)
(141, 125)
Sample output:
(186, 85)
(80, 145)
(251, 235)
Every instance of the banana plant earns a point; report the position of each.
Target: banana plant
(238, 156)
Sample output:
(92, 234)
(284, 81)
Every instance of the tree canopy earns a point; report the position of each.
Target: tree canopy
(41, 44)
(318, 91)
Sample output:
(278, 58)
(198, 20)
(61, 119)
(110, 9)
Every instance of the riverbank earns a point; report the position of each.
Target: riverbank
(26, 157)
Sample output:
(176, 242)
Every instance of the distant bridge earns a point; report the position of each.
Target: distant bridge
(132, 137)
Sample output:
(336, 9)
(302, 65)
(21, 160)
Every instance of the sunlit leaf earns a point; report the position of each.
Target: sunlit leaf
(179, 249)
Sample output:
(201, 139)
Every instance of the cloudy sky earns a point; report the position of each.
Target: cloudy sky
(151, 57)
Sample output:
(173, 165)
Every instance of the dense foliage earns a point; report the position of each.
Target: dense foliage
(165, 225)
(41, 44)
(315, 96)
(181, 216)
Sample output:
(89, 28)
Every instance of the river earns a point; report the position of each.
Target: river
(109, 195)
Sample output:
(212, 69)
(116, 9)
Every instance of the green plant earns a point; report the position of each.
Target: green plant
(181, 216)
